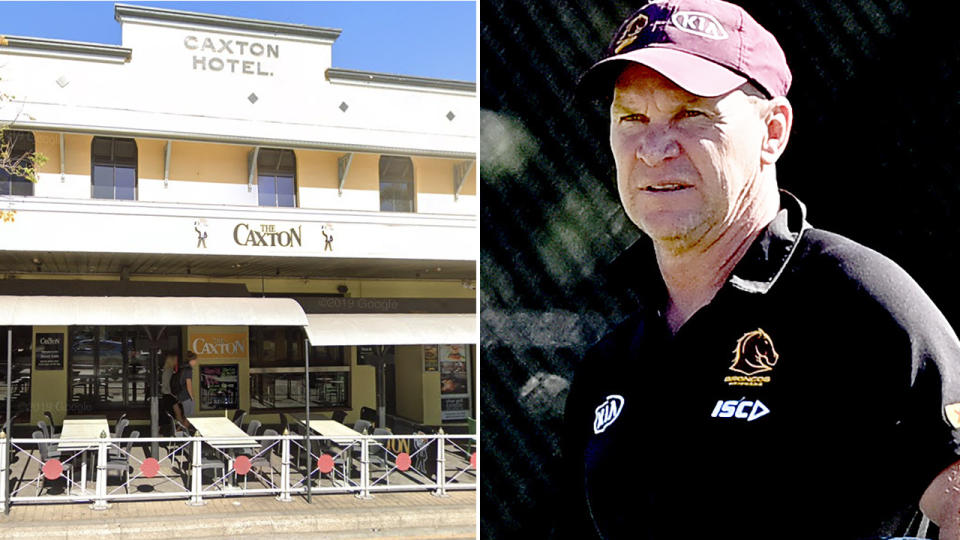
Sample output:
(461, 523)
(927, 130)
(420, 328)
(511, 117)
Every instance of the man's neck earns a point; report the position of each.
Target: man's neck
(694, 276)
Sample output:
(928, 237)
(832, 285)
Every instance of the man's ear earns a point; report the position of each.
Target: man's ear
(778, 120)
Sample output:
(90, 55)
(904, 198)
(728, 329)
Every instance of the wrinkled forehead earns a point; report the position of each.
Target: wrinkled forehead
(638, 82)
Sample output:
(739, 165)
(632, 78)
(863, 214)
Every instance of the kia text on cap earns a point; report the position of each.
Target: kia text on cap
(707, 47)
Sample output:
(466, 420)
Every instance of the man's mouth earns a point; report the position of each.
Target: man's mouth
(662, 188)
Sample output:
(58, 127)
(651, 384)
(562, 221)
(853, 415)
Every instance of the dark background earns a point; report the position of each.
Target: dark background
(873, 155)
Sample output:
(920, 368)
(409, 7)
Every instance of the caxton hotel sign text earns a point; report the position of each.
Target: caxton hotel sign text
(230, 55)
(266, 234)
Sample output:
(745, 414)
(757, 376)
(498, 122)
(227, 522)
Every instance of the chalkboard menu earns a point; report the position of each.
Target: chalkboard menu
(219, 387)
(49, 351)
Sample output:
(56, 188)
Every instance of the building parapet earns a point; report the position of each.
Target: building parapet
(125, 11)
(57, 47)
(339, 74)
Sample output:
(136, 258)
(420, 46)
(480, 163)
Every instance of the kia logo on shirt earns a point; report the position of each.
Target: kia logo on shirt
(607, 413)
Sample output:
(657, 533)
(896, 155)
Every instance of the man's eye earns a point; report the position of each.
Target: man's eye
(636, 117)
(690, 113)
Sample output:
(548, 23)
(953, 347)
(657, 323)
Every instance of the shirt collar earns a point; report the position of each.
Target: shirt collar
(767, 258)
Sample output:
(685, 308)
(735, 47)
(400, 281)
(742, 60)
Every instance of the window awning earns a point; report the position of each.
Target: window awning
(391, 328)
(148, 310)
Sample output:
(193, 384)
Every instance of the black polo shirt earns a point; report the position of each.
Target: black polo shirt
(805, 400)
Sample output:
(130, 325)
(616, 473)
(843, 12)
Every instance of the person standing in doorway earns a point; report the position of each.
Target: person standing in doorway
(169, 387)
(186, 396)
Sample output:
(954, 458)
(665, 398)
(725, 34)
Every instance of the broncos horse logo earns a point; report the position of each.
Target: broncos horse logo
(754, 353)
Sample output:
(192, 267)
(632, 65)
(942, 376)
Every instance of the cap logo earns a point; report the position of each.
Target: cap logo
(607, 412)
(699, 24)
(631, 31)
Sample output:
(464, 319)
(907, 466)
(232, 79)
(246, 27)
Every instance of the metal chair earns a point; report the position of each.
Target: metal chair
(122, 462)
(117, 434)
(53, 425)
(362, 426)
(205, 462)
(238, 417)
(379, 453)
(253, 427)
(368, 414)
(45, 429)
(339, 416)
(264, 460)
(47, 454)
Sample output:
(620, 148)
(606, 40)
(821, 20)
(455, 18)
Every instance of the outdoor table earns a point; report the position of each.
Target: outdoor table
(86, 429)
(223, 434)
(336, 431)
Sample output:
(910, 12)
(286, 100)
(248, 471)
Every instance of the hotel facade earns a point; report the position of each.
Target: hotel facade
(215, 184)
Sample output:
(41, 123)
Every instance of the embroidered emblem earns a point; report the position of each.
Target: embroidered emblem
(631, 31)
(607, 413)
(699, 24)
(733, 408)
(754, 354)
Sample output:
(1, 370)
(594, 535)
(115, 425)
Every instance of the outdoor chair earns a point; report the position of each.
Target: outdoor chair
(46, 453)
(253, 427)
(53, 425)
(118, 433)
(263, 461)
(339, 416)
(378, 452)
(284, 423)
(205, 463)
(238, 417)
(45, 429)
(178, 430)
(362, 426)
(122, 463)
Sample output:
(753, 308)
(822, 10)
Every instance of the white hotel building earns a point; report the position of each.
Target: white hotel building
(216, 184)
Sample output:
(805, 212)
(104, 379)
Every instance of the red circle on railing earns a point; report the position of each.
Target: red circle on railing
(241, 465)
(150, 467)
(52, 469)
(473, 460)
(403, 461)
(325, 463)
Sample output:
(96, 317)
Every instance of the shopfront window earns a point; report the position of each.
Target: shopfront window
(277, 380)
(276, 177)
(20, 372)
(396, 184)
(16, 153)
(109, 367)
(114, 166)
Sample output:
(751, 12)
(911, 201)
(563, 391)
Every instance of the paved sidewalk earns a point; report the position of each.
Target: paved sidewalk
(340, 516)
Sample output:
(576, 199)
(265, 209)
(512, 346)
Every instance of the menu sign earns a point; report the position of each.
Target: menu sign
(219, 387)
(430, 362)
(454, 382)
(49, 351)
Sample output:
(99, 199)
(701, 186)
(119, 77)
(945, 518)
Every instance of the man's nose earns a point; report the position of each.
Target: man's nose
(657, 147)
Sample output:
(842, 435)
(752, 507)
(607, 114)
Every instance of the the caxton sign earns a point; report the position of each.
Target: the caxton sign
(266, 234)
(230, 55)
(219, 346)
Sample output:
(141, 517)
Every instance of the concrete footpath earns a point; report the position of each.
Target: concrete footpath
(386, 515)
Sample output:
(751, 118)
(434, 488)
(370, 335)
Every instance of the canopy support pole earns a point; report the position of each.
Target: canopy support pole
(8, 424)
(306, 438)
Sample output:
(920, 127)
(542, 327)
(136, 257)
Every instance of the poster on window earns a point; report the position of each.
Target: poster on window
(430, 361)
(219, 387)
(454, 382)
(49, 351)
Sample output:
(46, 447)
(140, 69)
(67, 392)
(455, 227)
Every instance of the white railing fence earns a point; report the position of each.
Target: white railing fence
(103, 470)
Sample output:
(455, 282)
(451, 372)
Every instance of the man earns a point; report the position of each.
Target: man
(187, 393)
(779, 380)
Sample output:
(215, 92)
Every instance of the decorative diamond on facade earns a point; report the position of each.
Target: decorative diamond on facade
(63, 81)
(451, 116)
(344, 106)
(252, 97)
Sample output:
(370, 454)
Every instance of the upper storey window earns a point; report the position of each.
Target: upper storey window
(396, 184)
(114, 168)
(16, 153)
(277, 177)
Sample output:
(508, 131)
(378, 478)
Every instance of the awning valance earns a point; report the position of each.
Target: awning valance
(391, 328)
(148, 310)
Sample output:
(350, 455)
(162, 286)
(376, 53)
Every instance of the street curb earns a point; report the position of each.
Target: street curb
(376, 521)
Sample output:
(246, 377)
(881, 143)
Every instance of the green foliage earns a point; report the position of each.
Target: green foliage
(23, 164)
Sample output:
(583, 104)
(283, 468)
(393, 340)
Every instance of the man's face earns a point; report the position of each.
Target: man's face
(687, 166)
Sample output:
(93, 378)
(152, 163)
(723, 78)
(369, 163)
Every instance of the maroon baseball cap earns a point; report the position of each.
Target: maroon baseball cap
(707, 47)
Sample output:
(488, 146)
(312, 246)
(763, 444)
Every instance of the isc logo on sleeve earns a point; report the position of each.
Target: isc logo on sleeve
(740, 408)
